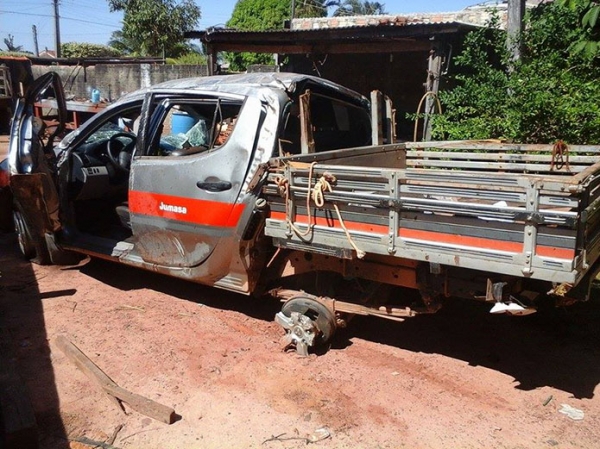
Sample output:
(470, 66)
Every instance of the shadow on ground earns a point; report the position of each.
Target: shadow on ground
(23, 320)
(128, 279)
(558, 348)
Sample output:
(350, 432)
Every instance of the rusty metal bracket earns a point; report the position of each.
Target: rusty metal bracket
(387, 312)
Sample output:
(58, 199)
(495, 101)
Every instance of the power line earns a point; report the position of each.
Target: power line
(62, 17)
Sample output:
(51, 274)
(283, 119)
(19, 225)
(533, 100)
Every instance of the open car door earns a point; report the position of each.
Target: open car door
(31, 161)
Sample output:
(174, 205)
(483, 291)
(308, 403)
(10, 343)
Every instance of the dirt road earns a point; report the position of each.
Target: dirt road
(459, 379)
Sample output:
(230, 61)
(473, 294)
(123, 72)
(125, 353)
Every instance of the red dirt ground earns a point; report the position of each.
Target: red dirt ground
(459, 379)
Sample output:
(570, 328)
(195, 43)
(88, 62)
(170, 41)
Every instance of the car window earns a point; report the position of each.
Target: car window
(122, 121)
(337, 124)
(332, 124)
(191, 128)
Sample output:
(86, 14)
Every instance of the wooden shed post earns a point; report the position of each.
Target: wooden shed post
(212, 59)
(514, 27)
(432, 88)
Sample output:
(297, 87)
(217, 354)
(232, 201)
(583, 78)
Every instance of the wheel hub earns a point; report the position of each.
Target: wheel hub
(301, 331)
(307, 323)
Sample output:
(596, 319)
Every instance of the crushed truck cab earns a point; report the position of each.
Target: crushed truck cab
(270, 183)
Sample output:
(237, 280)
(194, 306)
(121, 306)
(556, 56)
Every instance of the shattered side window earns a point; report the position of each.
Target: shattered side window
(191, 128)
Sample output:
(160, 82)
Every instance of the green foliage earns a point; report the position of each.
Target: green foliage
(86, 50)
(313, 8)
(122, 44)
(154, 27)
(589, 10)
(550, 94)
(359, 8)
(191, 58)
(256, 15)
(16, 53)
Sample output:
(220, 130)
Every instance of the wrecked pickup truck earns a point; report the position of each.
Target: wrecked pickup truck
(274, 186)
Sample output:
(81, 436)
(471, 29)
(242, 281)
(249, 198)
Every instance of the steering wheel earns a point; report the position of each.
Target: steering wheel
(120, 156)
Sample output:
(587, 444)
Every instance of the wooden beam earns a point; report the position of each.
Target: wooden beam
(391, 46)
(139, 403)
(212, 59)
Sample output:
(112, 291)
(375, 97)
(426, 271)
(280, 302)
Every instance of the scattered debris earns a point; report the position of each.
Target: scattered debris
(117, 394)
(126, 307)
(113, 437)
(93, 443)
(572, 412)
(318, 435)
(552, 442)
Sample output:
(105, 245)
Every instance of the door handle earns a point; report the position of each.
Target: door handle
(217, 186)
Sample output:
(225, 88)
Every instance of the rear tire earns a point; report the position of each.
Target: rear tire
(33, 249)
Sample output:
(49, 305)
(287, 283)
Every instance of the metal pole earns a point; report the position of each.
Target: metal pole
(35, 40)
(56, 30)
(293, 15)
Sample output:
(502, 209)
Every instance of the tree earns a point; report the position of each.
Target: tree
(10, 44)
(313, 8)
(589, 10)
(86, 50)
(359, 8)
(256, 15)
(124, 45)
(550, 94)
(155, 27)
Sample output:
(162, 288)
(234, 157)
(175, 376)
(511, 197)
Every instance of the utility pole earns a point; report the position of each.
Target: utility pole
(514, 28)
(293, 14)
(56, 29)
(35, 41)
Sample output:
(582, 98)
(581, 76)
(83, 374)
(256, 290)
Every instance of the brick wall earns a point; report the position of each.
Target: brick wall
(476, 15)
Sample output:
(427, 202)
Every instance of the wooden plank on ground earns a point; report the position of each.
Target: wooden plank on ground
(138, 403)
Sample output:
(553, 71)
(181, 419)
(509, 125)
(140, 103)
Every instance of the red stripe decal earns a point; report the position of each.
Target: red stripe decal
(552, 251)
(331, 223)
(190, 210)
(478, 242)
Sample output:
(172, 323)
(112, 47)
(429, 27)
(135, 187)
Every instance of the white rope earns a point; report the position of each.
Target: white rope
(315, 193)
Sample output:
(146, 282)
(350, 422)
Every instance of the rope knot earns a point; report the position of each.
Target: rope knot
(560, 156)
(282, 184)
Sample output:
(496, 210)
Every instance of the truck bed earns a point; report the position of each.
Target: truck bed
(519, 210)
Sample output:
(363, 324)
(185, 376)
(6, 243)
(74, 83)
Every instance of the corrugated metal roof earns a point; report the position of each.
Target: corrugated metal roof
(234, 30)
(221, 30)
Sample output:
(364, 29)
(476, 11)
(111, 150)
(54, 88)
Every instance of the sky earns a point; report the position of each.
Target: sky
(91, 21)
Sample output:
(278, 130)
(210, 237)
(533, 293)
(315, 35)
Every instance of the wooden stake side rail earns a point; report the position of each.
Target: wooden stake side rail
(542, 225)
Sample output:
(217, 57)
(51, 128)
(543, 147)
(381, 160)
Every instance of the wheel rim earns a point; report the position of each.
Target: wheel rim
(307, 322)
